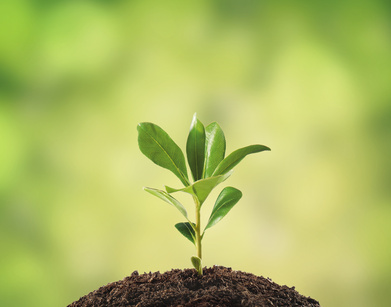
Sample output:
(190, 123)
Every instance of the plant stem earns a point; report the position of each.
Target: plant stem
(198, 230)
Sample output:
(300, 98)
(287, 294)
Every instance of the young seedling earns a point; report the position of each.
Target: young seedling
(209, 167)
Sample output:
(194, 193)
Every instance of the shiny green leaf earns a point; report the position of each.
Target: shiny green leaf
(168, 198)
(228, 198)
(214, 148)
(187, 231)
(157, 145)
(195, 148)
(197, 263)
(234, 158)
(204, 187)
(201, 188)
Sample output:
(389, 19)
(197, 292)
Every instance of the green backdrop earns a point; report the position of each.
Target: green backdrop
(310, 79)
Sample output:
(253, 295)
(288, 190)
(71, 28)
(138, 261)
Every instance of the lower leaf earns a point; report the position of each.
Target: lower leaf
(187, 230)
(197, 263)
(228, 198)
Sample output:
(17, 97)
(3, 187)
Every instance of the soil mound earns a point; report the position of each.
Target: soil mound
(219, 286)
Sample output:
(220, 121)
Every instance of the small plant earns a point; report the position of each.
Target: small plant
(209, 167)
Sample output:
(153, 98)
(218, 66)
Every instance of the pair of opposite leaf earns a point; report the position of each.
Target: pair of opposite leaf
(209, 167)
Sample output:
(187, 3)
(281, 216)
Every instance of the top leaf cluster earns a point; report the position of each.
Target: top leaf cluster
(205, 149)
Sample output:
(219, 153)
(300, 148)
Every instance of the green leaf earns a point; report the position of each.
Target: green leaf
(195, 148)
(187, 230)
(168, 198)
(157, 145)
(214, 148)
(202, 188)
(234, 158)
(196, 261)
(228, 198)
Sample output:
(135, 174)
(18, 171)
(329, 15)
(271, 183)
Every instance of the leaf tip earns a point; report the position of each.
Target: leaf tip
(194, 120)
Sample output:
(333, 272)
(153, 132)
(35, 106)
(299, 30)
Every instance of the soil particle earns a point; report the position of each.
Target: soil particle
(219, 286)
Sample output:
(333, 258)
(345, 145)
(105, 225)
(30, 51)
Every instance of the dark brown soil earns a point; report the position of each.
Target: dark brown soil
(219, 286)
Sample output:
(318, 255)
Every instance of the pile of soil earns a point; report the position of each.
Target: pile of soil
(219, 286)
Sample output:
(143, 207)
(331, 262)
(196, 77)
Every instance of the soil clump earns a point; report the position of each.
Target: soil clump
(219, 286)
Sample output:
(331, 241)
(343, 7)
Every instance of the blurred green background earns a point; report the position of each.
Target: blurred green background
(310, 79)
